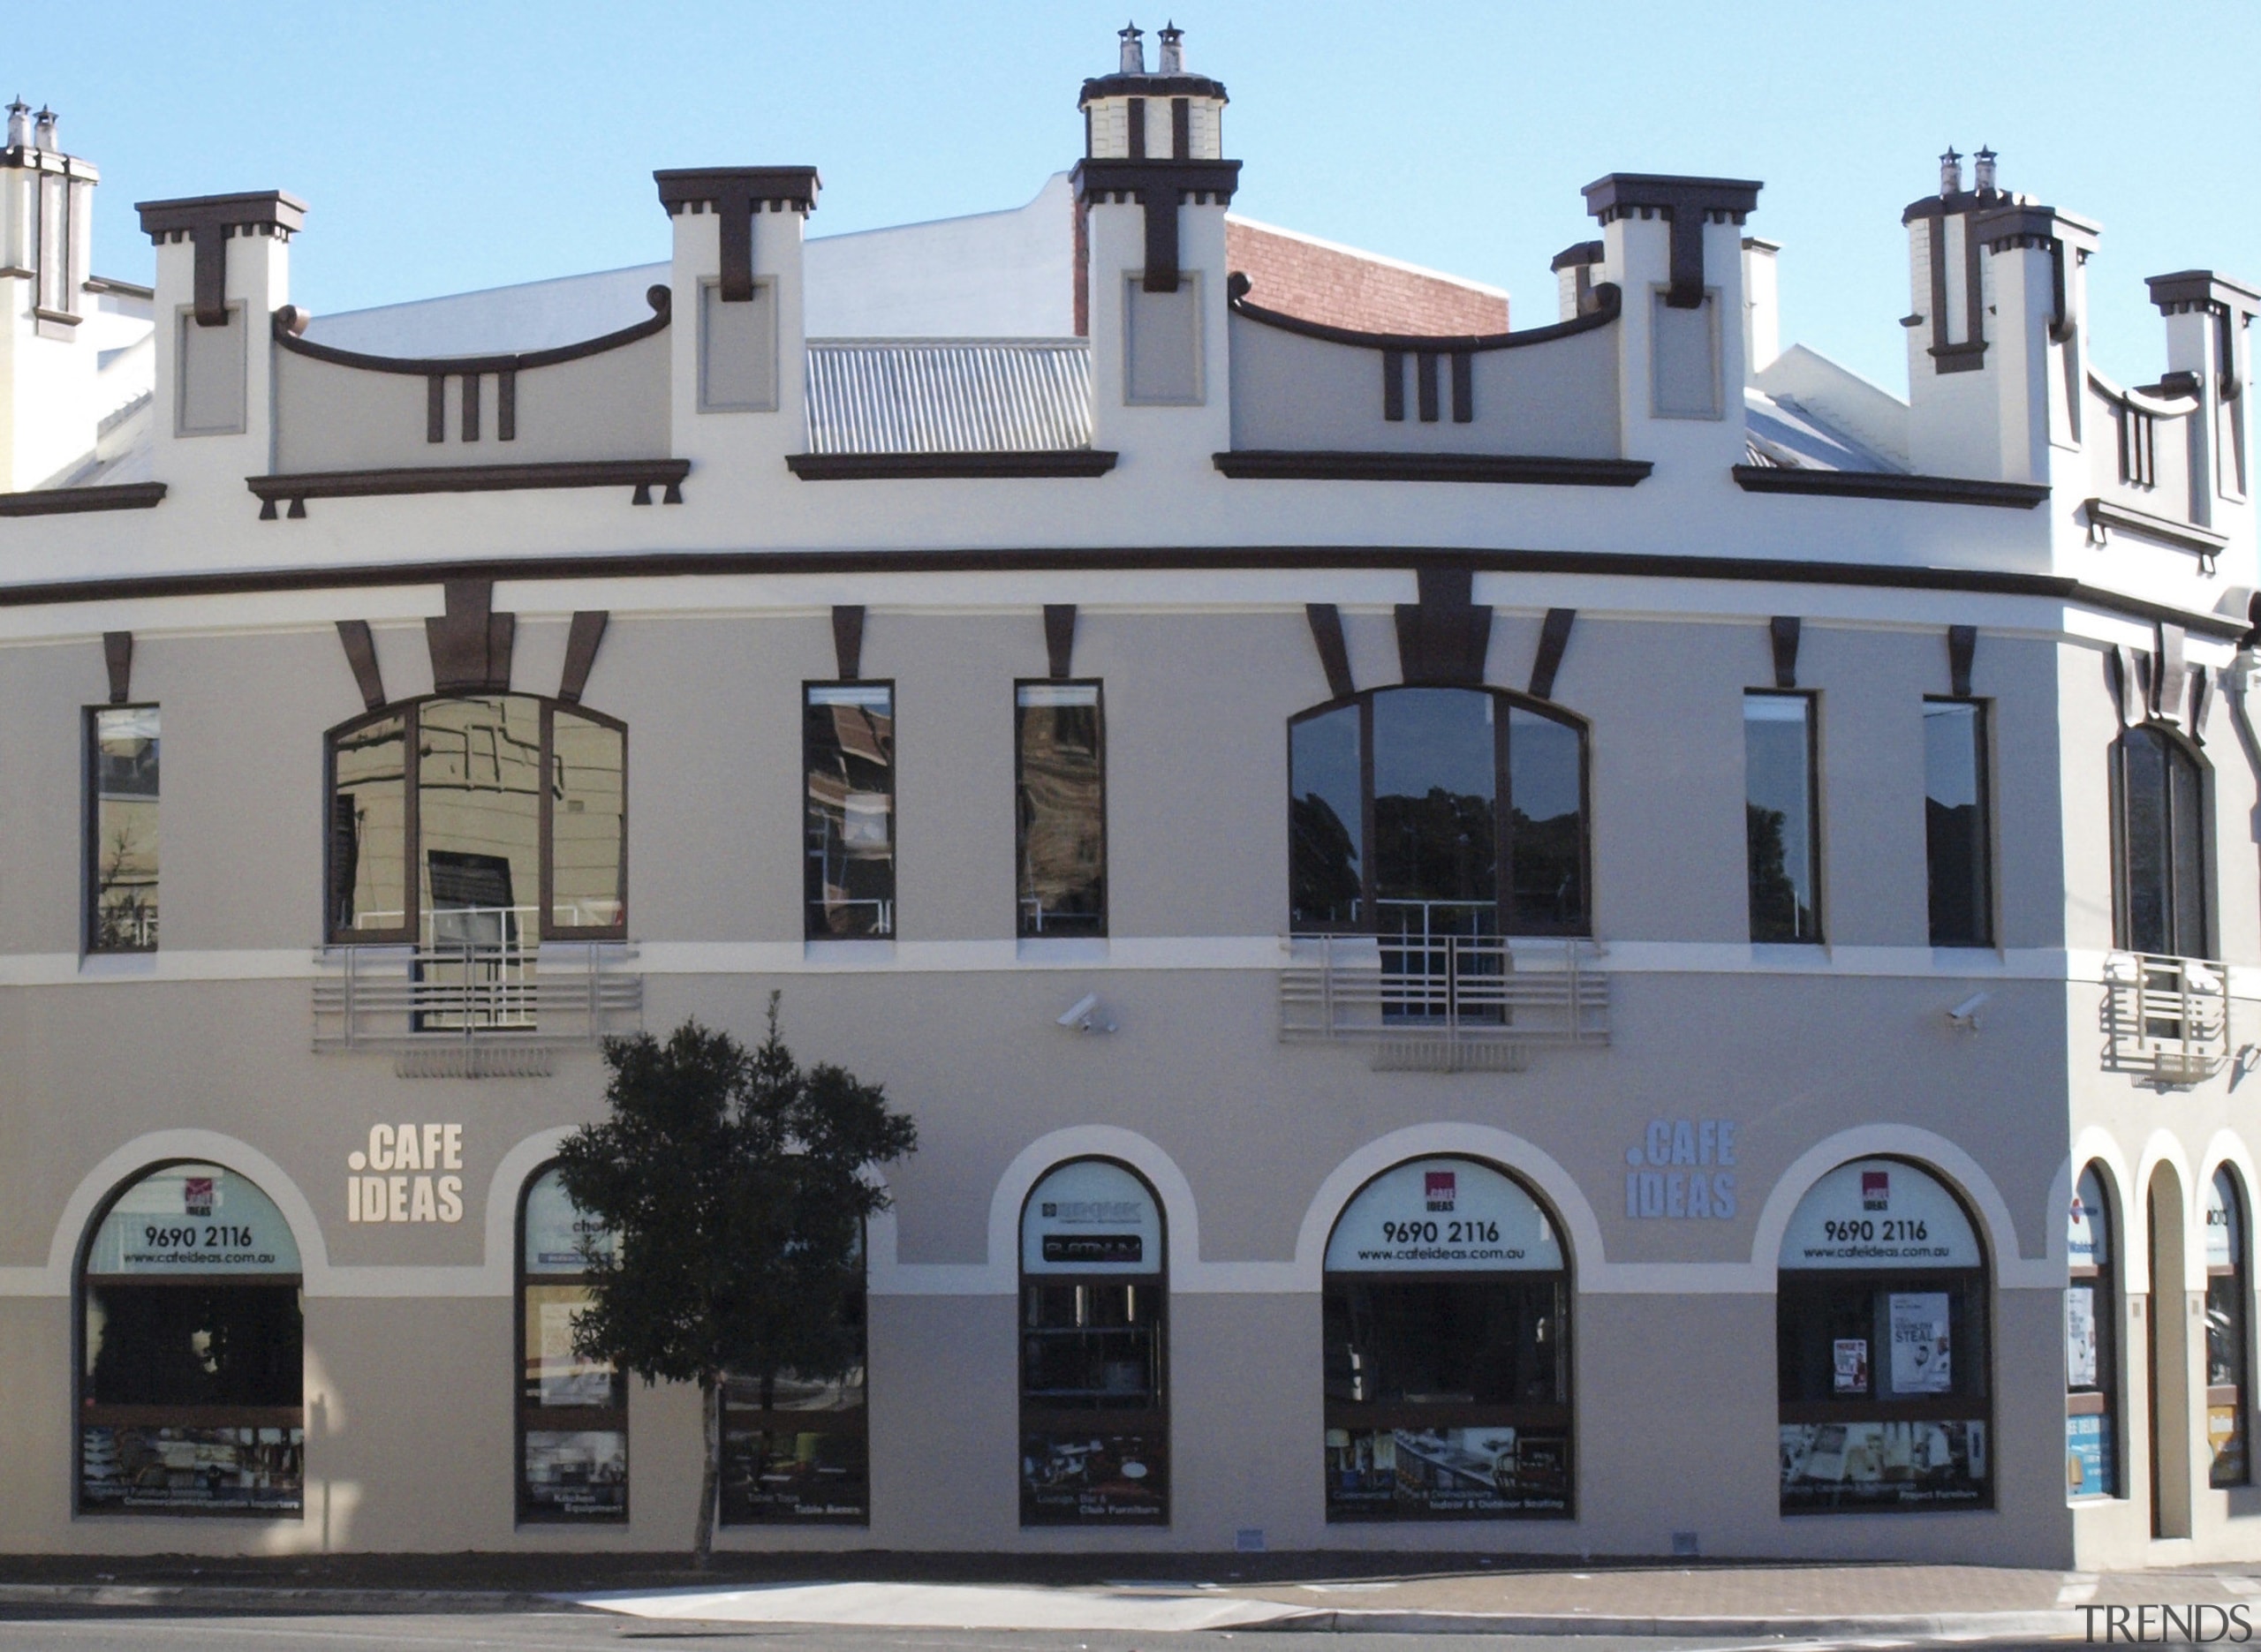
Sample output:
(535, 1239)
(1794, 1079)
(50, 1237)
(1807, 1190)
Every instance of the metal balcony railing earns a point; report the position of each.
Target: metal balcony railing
(2166, 1019)
(1440, 1002)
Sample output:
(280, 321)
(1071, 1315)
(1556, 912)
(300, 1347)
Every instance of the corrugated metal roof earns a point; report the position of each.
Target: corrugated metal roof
(948, 395)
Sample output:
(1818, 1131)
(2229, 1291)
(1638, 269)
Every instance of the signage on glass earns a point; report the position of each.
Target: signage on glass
(1091, 1217)
(192, 1218)
(1442, 1215)
(1879, 1214)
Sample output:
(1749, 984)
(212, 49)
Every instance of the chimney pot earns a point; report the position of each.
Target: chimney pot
(1134, 49)
(1950, 173)
(1982, 174)
(46, 137)
(1173, 39)
(19, 123)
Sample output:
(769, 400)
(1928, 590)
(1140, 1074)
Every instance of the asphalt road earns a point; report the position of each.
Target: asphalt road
(579, 1631)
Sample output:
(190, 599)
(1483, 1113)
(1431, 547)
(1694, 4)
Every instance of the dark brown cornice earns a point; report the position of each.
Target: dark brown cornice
(1936, 490)
(1324, 465)
(1161, 187)
(857, 467)
(2184, 535)
(1607, 301)
(208, 220)
(1686, 204)
(1110, 559)
(643, 475)
(289, 322)
(59, 501)
(734, 194)
(1151, 86)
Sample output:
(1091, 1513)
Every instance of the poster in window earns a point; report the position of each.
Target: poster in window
(1850, 1365)
(2226, 1439)
(1883, 1465)
(781, 1475)
(577, 1472)
(1447, 1474)
(147, 1467)
(2088, 1457)
(1920, 1355)
(567, 1378)
(1089, 1477)
(2080, 1336)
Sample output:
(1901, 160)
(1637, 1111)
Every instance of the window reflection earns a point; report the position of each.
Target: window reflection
(122, 872)
(1326, 820)
(2161, 824)
(1778, 779)
(368, 815)
(588, 801)
(2226, 1330)
(1955, 826)
(848, 745)
(1063, 808)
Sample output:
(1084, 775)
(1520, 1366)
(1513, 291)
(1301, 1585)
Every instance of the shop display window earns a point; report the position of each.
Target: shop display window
(1958, 830)
(1094, 1351)
(2229, 1290)
(797, 1448)
(1060, 782)
(1882, 1347)
(191, 1377)
(2159, 840)
(122, 828)
(509, 827)
(847, 753)
(1781, 806)
(572, 1411)
(1427, 812)
(1446, 1314)
(2091, 1342)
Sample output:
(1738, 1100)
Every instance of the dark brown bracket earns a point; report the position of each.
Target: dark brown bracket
(581, 644)
(2201, 702)
(361, 655)
(1334, 654)
(1962, 647)
(471, 644)
(848, 639)
(734, 194)
(208, 220)
(2123, 680)
(1686, 204)
(1159, 186)
(117, 656)
(1060, 638)
(1444, 636)
(1553, 638)
(1783, 630)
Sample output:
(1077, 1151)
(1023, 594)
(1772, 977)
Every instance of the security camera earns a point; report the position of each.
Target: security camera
(1964, 1016)
(1082, 1015)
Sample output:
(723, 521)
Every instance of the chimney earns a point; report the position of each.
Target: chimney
(2207, 315)
(1950, 174)
(1982, 177)
(1577, 270)
(1173, 39)
(1134, 49)
(1762, 306)
(48, 393)
(1134, 116)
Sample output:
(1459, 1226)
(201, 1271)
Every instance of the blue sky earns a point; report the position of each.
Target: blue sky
(445, 147)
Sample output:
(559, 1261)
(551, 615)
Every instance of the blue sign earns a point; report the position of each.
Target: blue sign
(2088, 1457)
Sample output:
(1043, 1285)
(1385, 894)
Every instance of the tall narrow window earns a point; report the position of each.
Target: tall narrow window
(2158, 829)
(191, 1394)
(1326, 820)
(1546, 825)
(2091, 1344)
(587, 815)
(369, 830)
(1061, 764)
(848, 750)
(1783, 817)
(1957, 834)
(1436, 822)
(572, 1411)
(796, 1445)
(2227, 1292)
(122, 829)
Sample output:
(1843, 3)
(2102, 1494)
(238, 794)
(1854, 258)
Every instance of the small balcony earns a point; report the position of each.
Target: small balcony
(1434, 991)
(476, 998)
(2166, 1020)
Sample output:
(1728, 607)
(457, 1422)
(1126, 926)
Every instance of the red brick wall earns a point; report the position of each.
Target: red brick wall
(1342, 289)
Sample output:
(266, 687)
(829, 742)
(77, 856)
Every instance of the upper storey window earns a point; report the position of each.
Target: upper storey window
(2158, 830)
(122, 828)
(487, 820)
(1060, 752)
(1437, 812)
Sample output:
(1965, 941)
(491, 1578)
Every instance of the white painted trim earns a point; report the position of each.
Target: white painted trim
(2094, 1143)
(2227, 1147)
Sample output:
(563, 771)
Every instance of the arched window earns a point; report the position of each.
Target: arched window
(192, 1375)
(1882, 1346)
(1447, 1311)
(796, 1448)
(2091, 1342)
(509, 827)
(1094, 1350)
(572, 1411)
(2158, 831)
(1433, 811)
(2229, 1290)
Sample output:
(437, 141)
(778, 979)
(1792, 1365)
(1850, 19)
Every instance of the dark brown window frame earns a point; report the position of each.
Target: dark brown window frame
(191, 1416)
(1564, 1414)
(412, 886)
(2104, 1400)
(2115, 764)
(90, 834)
(1989, 836)
(1504, 810)
(1020, 831)
(573, 1419)
(809, 932)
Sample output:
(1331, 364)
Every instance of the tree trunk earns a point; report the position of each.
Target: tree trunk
(710, 1398)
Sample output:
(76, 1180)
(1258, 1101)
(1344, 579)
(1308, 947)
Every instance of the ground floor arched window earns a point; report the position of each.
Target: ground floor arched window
(1446, 1307)
(1094, 1350)
(2092, 1341)
(1882, 1327)
(572, 1411)
(191, 1376)
(2229, 1290)
(796, 1443)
